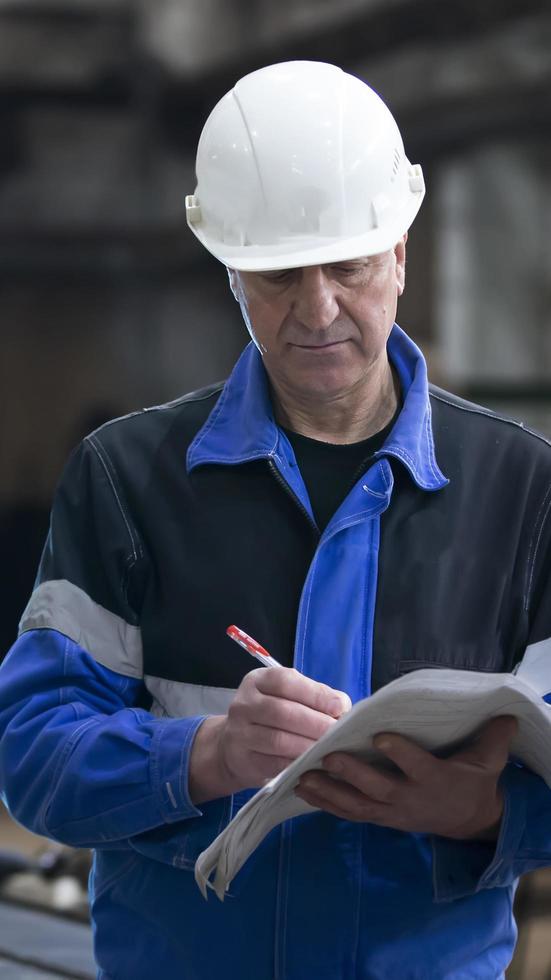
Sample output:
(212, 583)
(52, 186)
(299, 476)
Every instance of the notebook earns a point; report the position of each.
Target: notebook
(438, 709)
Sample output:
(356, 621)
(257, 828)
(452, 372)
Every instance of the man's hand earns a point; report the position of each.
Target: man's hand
(275, 716)
(455, 797)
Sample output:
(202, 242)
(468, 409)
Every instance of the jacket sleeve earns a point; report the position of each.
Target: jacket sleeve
(81, 759)
(524, 843)
(461, 868)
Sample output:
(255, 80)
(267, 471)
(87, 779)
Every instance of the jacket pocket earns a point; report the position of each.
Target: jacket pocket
(451, 663)
(109, 869)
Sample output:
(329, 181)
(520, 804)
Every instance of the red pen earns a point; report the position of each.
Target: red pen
(251, 646)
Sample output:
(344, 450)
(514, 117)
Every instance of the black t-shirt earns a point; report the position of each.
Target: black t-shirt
(329, 470)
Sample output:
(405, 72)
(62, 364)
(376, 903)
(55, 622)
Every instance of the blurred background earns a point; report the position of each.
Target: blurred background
(108, 303)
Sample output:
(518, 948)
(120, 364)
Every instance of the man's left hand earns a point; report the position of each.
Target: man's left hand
(456, 797)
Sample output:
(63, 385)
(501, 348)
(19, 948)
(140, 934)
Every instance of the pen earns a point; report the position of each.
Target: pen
(251, 646)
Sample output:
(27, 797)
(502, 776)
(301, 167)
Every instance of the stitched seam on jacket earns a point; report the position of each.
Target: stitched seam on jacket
(490, 415)
(64, 756)
(374, 493)
(386, 481)
(432, 454)
(366, 631)
(110, 473)
(114, 877)
(307, 610)
(128, 565)
(247, 458)
(190, 734)
(284, 864)
(187, 399)
(534, 542)
(210, 421)
(499, 860)
(208, 426)
(69, 655)
(357, 519)
(403, 454)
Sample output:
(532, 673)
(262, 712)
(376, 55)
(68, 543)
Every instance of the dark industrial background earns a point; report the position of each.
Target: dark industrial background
(107, 302)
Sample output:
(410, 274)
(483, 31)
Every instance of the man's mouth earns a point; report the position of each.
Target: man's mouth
(327, 346)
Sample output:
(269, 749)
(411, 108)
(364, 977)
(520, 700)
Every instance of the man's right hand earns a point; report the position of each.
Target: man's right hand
(274, 717)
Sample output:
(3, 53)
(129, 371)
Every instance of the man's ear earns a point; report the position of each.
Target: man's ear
(232, 277)
(400, 253)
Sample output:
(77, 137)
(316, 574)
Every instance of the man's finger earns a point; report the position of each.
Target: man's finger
(342, 799)
(491, 746)
(368, 780)
(415, 762)
(291, 716)
(289, 684)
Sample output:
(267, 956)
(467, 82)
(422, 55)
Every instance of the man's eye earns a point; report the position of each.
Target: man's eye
(278, 276)
(347, 270)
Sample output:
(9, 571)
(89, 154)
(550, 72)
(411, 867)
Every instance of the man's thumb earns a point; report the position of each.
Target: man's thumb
(491, 746)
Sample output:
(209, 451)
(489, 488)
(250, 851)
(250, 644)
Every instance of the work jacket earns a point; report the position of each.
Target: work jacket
(174, 522)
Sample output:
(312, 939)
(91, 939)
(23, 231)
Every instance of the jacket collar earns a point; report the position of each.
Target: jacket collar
(410, 439)
(241, 426)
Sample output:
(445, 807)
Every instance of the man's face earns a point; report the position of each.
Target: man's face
(322, 330)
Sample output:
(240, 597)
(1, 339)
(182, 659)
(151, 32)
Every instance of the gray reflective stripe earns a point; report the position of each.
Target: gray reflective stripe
(535, 666)
(175, 699)
(60, 605)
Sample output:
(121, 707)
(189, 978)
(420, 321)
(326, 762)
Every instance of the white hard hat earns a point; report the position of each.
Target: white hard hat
(301, 164)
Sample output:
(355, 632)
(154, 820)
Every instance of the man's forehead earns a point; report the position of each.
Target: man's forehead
(362, 260)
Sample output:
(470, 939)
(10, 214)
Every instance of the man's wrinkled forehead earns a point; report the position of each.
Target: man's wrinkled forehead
(358, 262)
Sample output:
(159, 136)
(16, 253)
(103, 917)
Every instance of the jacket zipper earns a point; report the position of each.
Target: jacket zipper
(290, 493)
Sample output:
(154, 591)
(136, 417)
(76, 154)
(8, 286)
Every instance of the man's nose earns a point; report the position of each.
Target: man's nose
(315, 303)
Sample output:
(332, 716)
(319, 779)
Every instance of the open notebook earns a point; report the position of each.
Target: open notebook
(438, 709)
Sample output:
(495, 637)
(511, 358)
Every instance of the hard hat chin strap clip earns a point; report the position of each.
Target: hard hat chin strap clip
(416, 180)
(193, 209)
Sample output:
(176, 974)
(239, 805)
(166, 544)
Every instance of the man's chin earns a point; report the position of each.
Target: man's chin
(322, 385)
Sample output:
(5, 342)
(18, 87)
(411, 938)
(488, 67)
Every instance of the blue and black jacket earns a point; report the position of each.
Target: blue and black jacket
(176, 521)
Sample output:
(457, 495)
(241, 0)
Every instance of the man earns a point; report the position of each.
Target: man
(356, 523)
